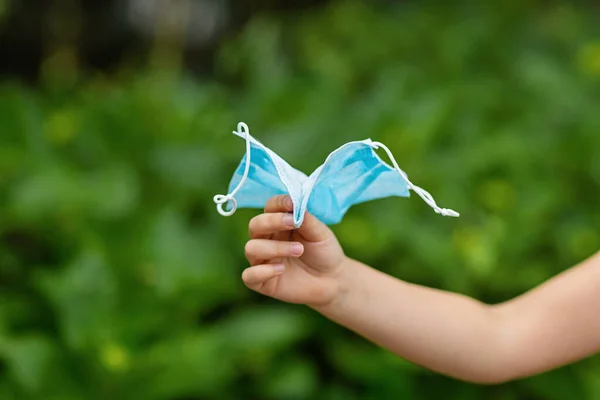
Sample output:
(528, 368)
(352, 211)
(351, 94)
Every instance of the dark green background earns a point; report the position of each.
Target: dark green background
(119, 280)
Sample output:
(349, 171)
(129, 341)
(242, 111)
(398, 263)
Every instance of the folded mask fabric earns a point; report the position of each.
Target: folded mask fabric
(350, 175)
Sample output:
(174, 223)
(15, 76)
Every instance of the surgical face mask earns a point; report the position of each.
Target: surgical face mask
(352, 174)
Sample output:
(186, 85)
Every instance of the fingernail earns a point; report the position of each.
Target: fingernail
(296, 248)
(288, 220)
(288, 203)
(279, 267)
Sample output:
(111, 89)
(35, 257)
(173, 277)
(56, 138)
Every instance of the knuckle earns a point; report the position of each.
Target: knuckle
(277, 202)
(283, 248)
(274, 220)
(265, 223)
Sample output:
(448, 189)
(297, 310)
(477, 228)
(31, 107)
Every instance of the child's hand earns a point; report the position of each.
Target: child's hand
(296, 266)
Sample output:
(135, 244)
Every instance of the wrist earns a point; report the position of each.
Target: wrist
(346, 282)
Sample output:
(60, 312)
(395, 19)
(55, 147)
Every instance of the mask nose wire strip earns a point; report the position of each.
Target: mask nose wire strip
(424, 194)
(220, 199)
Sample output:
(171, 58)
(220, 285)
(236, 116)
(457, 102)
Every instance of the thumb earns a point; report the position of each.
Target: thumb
(314, 230)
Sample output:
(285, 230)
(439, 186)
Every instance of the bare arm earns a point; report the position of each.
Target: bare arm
(550, 326)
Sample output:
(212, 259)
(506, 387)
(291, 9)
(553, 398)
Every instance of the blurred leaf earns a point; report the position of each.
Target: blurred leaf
(29, 360)
(179, 257)
(197, 363)
(295, 380)
(556, 385)
(258, 329)
(83, 296)
(54, 191)
(190, 168)
(362, 361)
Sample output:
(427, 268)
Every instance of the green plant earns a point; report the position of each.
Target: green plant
(120, 280)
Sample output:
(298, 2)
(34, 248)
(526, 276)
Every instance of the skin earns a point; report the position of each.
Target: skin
(552, 325)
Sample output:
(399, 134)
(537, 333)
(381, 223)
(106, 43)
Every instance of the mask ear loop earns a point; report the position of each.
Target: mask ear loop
(220, 199)
(425, 195)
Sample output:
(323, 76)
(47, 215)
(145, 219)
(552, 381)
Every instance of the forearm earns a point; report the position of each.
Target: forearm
(551, 325)
(442, 331)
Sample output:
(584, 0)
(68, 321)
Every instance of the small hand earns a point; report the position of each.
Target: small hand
(293, 265)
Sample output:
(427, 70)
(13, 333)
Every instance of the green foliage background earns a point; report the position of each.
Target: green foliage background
(119, 280)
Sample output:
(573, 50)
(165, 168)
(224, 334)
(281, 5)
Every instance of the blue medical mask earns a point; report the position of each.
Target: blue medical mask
(352, 174)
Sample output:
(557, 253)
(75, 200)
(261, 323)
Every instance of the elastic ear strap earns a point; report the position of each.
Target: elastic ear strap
(424, 194)
(220, 199)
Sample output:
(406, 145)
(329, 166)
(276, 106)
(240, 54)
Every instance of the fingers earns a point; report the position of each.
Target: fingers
(255, 277)
(314, 230)
(281, 203)
(265, 225)
(277, 219)
(259, 250)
